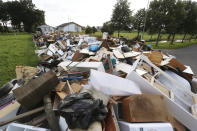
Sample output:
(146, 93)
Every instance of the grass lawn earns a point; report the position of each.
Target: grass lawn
(154, 37)
(176, 45)
(15, 50)
(146, 35)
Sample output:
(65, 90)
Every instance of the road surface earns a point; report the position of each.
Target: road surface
(187, 56)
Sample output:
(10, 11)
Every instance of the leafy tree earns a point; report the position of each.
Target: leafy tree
(22, 11)
(36, 19)
(170, 22)
(16, 13)
(94, 29)
(162, 15)
(121, 17)
(107, 27)
(27, 4)
(88, 30)
(190, 23)
(157, 13)
(138, 22)
(150, 27)
(33, 17)
(4, 17)
(180, 16)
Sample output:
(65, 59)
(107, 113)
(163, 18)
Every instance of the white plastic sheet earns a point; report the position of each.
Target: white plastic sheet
(22, 127)
(91, 65)
(113, 85)
(178, 93)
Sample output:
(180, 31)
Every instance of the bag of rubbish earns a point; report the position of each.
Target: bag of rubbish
(81, 109)
(94, 48)
(125, 49)
(5, 89)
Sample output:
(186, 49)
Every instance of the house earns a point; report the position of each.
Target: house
(70, 27)
(45, 29)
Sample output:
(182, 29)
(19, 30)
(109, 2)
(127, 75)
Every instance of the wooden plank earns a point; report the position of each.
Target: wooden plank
(194, 107)
(110, 122)
(110, 64)
(176, 124)
(76, 87)
(161, 88)
(156, 57)
(77, 56)
(22, 116)
(8, 109)
(50, 114)
(62, 94)
(60, 86)
(118, 54)
(126, 68)
(104, 44)
(32, 93)
(173, 63)
(25, 72)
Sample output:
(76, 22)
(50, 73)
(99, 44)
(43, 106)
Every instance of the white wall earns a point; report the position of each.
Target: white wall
(72, 28)
(47, 29)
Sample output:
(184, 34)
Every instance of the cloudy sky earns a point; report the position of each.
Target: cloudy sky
(83, 12)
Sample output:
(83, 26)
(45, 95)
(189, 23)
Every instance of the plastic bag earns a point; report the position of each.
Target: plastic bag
(81, 109)
(94, 48)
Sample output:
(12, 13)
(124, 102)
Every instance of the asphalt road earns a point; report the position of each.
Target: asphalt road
(187, 56)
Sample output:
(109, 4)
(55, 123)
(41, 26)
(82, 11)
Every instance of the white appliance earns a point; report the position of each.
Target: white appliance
(126, 126)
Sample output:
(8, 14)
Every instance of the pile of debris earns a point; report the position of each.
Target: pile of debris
(97, 84)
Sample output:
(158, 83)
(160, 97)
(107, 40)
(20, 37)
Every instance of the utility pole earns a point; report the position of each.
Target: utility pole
(68, 24)
(145, 19)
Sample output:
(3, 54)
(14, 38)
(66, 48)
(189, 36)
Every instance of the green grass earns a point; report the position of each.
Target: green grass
(147, 36)
(148, 39)
(15, 50)
(176, 45)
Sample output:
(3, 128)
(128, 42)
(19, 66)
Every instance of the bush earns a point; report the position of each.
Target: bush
(88, 30)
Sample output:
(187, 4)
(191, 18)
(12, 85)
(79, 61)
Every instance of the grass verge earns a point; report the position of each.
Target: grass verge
(176, 45)
(147, 36)
(15, 50)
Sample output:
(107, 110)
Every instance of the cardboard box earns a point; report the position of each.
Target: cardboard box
(144, 108)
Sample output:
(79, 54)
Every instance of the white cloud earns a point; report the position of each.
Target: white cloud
(83, 12)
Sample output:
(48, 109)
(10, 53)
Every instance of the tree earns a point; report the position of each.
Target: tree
(138, 22)
(180, 16)
(121, 16)
(22, 11)
(27, 4)
(156, 14)
(150, 27)
(190, 23)
(32, 17)
(4, 17)
(36, 19)
(170, 20)
(107, 27)
(88, 30)
(161, 15)
(94, 29)
(15, 12)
